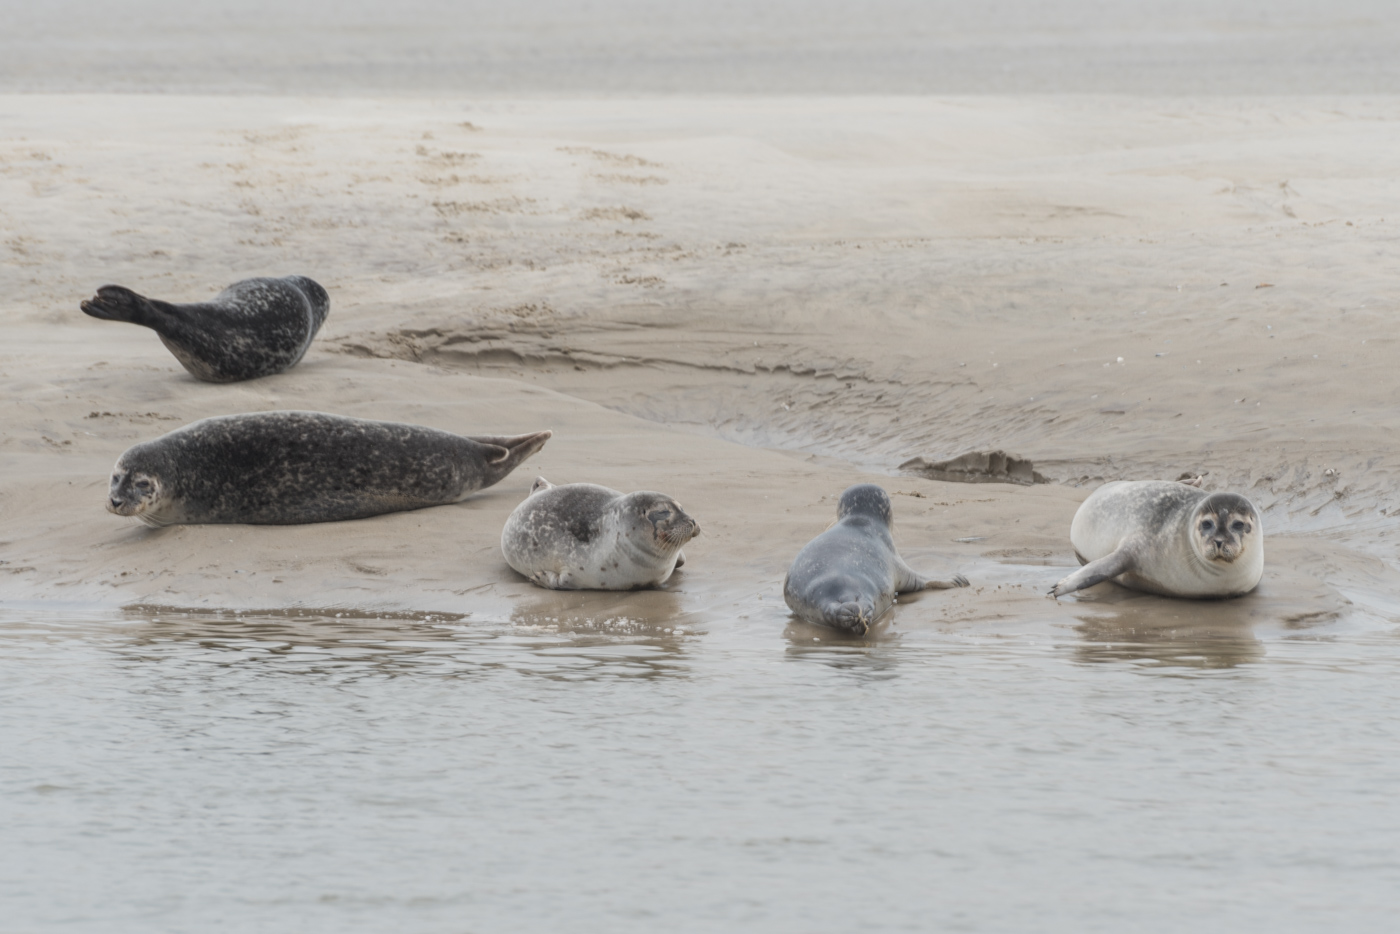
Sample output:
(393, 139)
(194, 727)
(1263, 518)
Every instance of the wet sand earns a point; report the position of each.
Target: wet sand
(748, 304)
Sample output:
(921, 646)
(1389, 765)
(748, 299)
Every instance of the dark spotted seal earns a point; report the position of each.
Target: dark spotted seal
(581, 536)
(285, 468)
(253, 328)
(1166, 538)
(847, 577)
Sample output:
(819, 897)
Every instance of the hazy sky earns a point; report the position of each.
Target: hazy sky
(702, 46)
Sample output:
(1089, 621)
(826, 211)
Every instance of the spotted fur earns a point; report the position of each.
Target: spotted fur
(286, 468)
(581, 536)
(253, 328)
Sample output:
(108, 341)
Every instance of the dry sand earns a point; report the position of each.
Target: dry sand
(748, 304)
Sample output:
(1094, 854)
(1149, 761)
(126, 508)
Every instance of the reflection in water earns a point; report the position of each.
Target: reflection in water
(579, 768)
(1119, 624)
(556, 642)
(870, 657)
(1187, 644)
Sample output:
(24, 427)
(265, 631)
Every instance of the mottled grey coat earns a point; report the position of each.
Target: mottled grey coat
(282, 468)
(253, 328)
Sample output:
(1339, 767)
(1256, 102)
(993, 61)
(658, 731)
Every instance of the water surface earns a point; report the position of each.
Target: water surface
(170, 771)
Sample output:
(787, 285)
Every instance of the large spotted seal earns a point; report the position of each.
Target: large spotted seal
(581, 536)
(285, 468)
(253, 328)
(847, 577)
(1166, 538)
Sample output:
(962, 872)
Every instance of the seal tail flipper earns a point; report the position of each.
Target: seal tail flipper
(117, 303)
(1095, 572)
(511, 451)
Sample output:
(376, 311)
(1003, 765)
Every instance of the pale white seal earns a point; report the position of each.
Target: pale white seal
(1166, 538)
(581, 536)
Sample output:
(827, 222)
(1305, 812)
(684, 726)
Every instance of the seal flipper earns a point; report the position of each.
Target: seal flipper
(906, 580)
(1109, 566)
(118, 303)
(511, 451)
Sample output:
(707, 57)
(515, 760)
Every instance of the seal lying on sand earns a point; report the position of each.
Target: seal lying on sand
(285, 468)
(253, 328)
(846, 577)
(581, 536)
(1166, 538)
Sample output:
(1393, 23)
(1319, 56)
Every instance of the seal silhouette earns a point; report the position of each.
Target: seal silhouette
(286, 468)
(847, 577)
(581, 536)
(1166, 538)
(253, 328)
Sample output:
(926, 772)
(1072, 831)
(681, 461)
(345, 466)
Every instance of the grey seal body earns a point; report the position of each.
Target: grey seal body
(581, 536)
(847, 577)
(286, 468)
(253, 328)
(1166, 538)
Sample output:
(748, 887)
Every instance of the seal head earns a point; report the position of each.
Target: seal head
(1224, 527)
(136, 492)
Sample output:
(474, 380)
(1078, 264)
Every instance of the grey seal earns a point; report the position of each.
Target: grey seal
(847, 577)
(286, 468)
(581, 536)
(1166, 538)
(253, 328)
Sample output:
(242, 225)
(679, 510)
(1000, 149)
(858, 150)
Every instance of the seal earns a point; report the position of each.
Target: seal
(253, 328)
(581, 536)
(847, 577)
(287, 468)
(1166, 538)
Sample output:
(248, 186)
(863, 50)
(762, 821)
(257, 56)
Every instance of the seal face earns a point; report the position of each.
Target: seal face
(253, 328)
(286, 468)
(581, 536)
(847, 577)
(1166, 538)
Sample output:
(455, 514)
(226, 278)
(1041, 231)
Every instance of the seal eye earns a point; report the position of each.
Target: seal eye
(1237, 526)
(657, 516)
(1207, 527)
(143, 485)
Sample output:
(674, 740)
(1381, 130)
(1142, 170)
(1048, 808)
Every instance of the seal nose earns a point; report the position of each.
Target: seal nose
(116, 503)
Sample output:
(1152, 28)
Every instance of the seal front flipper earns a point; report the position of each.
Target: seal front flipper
(1105, 568)
(907, 581)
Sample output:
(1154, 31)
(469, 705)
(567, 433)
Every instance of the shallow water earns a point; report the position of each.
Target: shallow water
(168, 771)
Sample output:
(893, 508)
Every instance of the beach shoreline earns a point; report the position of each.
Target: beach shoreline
(746, 303)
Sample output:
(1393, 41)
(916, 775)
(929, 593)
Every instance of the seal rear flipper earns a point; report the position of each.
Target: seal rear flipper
(509, 452)
(1105, 568)
(118, 303)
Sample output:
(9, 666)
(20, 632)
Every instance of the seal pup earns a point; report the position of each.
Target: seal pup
(1166, 538)
(847, 577)
(253, 328)
(581, 536)
(286, 468)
